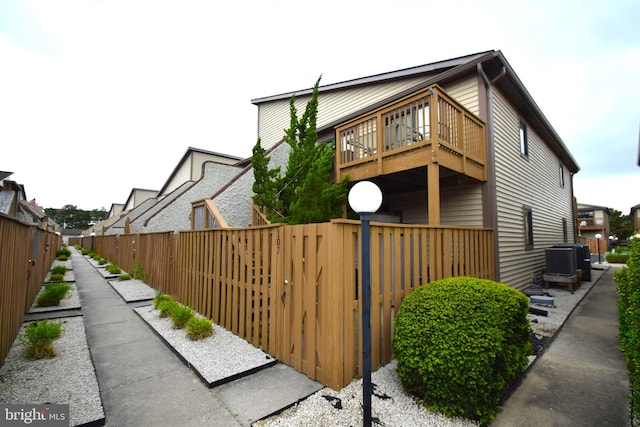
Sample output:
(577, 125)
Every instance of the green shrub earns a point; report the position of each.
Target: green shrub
(181, 314)
(59, 269)
(166, 308)
(460, 342)
(38, 339)
(199, 328)
(123, 277)
(62, 257)
(617, 258)
(63, 252)
(159, 298)
(52, 294)
(102, 261)
(95, 256)
(113, 269)
(628, 289)
(85, 252)
(57, 277)
(138, 273)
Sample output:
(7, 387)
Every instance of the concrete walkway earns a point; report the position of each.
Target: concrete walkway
(144, 383)
(581, 379)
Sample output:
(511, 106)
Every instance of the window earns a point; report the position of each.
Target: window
(528, 227)
(561, 175)
(524, 139)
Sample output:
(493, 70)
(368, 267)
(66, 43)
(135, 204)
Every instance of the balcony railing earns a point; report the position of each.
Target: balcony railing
(426, 127)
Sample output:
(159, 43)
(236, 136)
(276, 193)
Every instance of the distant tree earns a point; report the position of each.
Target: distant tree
(70, 216)
(306, 193)
(620, 225)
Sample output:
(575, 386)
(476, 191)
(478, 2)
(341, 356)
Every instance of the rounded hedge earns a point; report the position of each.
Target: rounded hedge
(459, 342)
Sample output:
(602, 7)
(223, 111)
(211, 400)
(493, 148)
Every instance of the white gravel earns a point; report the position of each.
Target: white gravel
(215, 358)
(69, 378)
(71, 301)
(398, 408)
(133, 290)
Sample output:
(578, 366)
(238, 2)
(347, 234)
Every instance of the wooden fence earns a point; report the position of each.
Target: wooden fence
(293, 290)
(27, 253)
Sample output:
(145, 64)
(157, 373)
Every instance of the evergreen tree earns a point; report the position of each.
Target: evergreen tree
(306, 193)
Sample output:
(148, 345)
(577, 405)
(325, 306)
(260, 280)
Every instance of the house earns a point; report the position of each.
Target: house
(593, 221)
(197, 175)
(14, 203)
(458, 142)
(635, 217)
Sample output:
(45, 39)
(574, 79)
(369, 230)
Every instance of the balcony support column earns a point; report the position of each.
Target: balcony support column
(433, 193)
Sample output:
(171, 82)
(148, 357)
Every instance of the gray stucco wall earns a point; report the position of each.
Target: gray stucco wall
(235, 202)
(138, 226)
(175, 216)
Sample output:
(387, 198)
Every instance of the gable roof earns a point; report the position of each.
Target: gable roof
(492, 63)
(187, 154)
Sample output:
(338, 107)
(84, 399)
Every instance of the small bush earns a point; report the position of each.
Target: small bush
(62, 257)
(63, 252)
(617, 258)
(139, 274)
(102, 261)
(56, 277)
(459, 342)
(59, 269)
(199, 328)
(95, 256)
(85, 252)
(38, 339)
(159, 298)
(180, 315)
(113, 269)
(166, 308)
(123, 277)
(53, 293)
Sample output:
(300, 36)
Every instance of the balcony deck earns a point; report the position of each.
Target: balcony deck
(408, 140)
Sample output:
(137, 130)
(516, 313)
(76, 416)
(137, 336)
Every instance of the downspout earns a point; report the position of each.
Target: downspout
(490, 193)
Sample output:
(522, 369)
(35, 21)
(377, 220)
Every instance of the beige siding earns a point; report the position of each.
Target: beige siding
(532, 182)
(273, 117)
(466, 93)
(461, 205)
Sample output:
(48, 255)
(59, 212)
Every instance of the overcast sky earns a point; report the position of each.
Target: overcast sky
(99, 97)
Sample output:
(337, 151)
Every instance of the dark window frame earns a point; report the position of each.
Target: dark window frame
(527, 222)
(524, 139)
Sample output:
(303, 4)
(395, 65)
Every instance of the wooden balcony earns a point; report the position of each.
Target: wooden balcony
(427, 127)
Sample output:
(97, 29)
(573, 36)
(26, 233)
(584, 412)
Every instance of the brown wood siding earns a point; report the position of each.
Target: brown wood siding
(533, 182)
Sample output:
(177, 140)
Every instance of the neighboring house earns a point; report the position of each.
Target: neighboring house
(593, 220)
(635, 217)
(137, 197)
(485, 157)
(189, 168)
(14, 203)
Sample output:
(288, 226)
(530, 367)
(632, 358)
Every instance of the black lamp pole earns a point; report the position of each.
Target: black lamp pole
(366, 320)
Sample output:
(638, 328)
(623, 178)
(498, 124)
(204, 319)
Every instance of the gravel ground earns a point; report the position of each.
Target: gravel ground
(133, 290)
(219, 356)
(71, 301)
(391, 406)
(68, 378)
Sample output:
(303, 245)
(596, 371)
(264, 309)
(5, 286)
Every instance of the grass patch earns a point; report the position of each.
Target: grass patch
(180, 315)
(199, 328)
(53, 293)
(38, 339)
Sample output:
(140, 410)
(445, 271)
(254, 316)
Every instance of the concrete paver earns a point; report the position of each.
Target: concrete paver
(581, 378)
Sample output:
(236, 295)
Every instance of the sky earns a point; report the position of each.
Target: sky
(98, 97)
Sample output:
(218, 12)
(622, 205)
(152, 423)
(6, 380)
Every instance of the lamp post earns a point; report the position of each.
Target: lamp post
(598, 237)
(365, 198)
